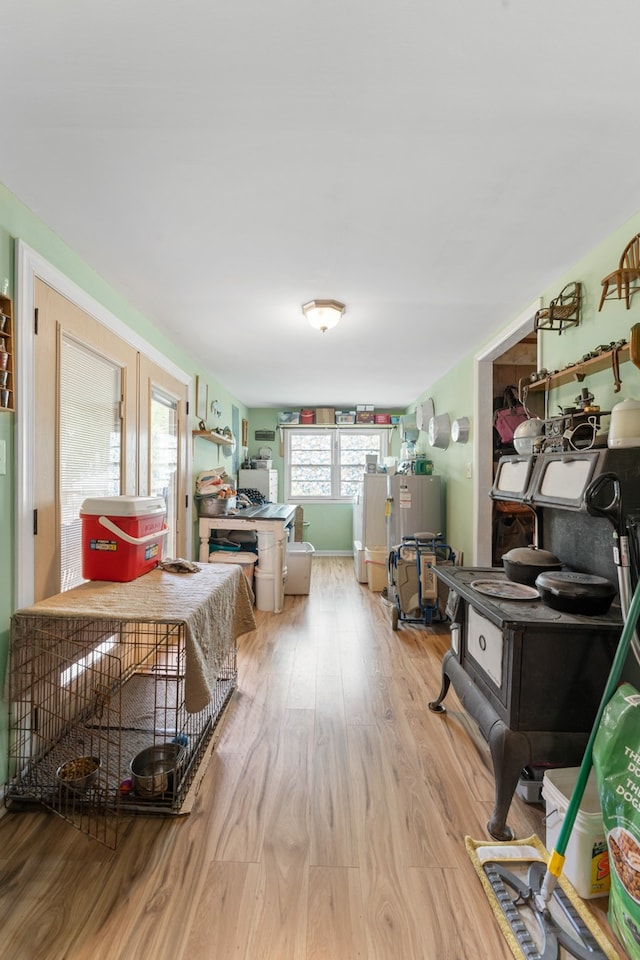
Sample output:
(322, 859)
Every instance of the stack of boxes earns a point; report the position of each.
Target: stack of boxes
(364, 413)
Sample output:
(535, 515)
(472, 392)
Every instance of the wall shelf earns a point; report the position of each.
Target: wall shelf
(338, 426)
(212, 437)
(581, 369)
(7, 353)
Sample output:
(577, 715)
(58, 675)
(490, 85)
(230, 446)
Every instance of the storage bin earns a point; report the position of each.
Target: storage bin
(325, 415)
(244, 559)
(122, 537)
(209, 505)
(376, 560)
(299, 557)
(306, 416)
(587, 862)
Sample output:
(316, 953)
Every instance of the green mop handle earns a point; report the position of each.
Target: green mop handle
(556, 860)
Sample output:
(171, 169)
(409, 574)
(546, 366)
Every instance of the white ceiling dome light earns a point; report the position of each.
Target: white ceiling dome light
(323, 314)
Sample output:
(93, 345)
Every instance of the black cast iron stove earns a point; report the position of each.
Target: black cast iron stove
(532, 677)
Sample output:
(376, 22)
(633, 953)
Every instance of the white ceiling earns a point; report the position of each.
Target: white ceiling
(432, 165)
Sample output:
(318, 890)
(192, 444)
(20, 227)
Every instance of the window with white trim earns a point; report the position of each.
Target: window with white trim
(329, 464)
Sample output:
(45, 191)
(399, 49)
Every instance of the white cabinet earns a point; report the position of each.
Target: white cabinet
(266, 481)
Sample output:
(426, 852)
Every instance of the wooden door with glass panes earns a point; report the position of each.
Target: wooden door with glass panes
(86, 401)
(163, 449)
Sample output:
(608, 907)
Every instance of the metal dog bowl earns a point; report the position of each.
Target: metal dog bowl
(153, 769)
(79, 773)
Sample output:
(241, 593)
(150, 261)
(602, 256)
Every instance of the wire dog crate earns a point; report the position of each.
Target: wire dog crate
(90, 695)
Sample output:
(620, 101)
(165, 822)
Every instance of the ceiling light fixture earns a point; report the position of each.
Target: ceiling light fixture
(323, 314)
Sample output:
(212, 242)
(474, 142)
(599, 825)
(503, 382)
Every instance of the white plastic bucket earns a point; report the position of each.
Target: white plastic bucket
(375, 559)
(587, 863)
(264, 589)
(266, 551)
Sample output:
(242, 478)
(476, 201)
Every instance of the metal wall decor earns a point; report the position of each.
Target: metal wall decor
(563, 311)
(460, 430)
(440, 431)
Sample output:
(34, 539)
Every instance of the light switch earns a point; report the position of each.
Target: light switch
(3, 457)
(469, 471)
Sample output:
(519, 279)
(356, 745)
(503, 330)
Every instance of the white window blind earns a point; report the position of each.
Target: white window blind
(163, 459)
(90, 444)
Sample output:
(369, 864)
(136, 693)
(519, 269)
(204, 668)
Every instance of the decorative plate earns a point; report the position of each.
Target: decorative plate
(505, 590)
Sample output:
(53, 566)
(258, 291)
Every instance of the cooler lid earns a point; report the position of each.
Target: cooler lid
(123, 506)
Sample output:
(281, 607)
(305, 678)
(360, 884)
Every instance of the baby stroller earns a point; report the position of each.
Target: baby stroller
(413, 585)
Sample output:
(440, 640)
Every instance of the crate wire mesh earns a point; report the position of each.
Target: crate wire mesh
(83, 688)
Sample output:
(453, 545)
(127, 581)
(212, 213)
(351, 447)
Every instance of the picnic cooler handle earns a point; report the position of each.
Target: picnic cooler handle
(135, 541)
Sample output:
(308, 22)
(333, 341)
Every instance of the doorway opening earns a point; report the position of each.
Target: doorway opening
(505, 345)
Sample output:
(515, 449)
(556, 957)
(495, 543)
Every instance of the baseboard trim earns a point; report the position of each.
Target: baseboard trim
(334, 553)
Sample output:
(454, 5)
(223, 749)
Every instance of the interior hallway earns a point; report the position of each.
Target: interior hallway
(329, 825)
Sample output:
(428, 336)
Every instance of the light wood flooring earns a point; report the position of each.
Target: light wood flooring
(330, 823)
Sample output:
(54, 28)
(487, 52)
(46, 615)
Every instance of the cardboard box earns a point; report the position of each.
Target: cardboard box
(365, 416)
(325, 415)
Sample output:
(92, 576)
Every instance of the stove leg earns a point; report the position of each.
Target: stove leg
(436, 705)
(510, 752)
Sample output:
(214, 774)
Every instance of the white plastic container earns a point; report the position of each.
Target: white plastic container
(299, 557)
(376, 560)
(587, 862)
(624, 426)
(264, 588)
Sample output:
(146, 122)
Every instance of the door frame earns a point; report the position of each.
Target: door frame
(29, 265)
(483, 435)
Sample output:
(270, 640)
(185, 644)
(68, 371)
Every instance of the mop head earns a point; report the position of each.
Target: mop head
(518, 920)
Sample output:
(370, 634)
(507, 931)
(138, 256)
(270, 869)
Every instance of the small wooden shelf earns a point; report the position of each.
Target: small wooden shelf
(584, 368)
(213, 437)
(7, 397)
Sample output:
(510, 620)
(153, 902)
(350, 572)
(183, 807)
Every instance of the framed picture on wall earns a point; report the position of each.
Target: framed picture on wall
(202, 396)
(245, 432)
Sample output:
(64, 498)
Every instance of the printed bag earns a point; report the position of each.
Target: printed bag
(616, 759)
(509, 417)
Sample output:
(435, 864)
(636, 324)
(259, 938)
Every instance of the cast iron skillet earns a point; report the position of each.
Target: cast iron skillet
(575, 592)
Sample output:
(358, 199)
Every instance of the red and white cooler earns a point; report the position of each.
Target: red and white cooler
(122, 537)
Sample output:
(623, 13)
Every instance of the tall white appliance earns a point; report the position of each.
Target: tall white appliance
(391, 507)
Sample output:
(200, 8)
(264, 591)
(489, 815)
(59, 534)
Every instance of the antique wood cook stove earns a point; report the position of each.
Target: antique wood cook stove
(530, 676)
